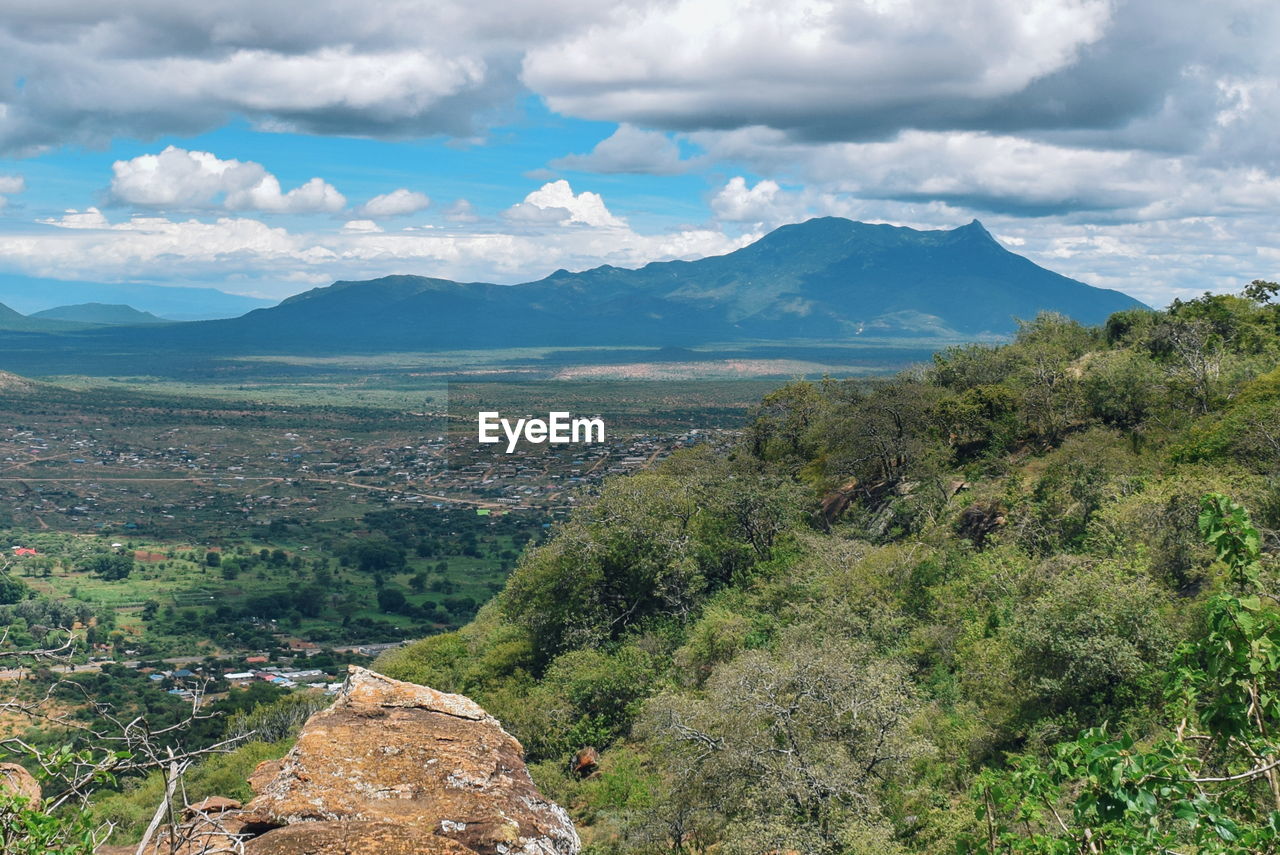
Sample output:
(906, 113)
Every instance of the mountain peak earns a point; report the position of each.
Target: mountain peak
(974, 230)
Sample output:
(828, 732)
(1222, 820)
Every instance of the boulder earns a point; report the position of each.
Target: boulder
(837, 501)
(352, 838)
(979, 520)
(264, 773)
(403, 755)
(585, 762)
(210, 806)
(17, 781)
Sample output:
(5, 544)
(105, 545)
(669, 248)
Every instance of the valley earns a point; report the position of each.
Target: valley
(282, 492)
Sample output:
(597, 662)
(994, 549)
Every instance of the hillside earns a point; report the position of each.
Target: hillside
(111, 314)
(1019, 601)
(1009, 605)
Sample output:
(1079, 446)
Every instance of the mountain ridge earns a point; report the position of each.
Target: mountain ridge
(826, 279)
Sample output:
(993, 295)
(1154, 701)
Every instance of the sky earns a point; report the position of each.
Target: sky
(269, 147)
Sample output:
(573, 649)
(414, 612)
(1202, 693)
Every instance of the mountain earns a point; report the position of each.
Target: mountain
(13, 321)
(824, 279)
(99, 313)
(32, 294)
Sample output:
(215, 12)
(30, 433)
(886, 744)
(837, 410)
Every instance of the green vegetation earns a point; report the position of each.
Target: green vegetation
(401, 572)
(1008, 602)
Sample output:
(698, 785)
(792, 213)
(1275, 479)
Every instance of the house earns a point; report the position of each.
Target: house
(22, 550)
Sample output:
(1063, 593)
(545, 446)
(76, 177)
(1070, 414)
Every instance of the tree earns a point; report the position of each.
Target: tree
(12, 590)
(375, 556)
(781, 427)
(391, 600)
(652, 547)
(1092, 643)
(112, 567)
(1261, 291)
(791, 747)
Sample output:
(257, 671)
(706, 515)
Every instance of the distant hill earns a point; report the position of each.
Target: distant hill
(99, 313)
(29, 294)
(826, 279)
(13, 321)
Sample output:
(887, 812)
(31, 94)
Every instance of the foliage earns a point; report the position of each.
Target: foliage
(652, 546)
(1189, 788)
(111, 567)
(25, 829)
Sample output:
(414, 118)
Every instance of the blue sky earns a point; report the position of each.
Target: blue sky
(268, 148)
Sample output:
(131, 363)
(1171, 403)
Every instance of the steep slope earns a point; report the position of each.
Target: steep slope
(99, 313)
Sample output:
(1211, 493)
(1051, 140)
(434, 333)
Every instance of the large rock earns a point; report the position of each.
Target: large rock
(17, 781)
(352, 838)
(429, 763)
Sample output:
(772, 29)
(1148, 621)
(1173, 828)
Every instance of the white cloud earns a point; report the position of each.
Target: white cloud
(10, 184)
(629, 150)
(738, 203)
(555, 202)
(461, 211)
(395, 204)
(361, 226)
(181, 179)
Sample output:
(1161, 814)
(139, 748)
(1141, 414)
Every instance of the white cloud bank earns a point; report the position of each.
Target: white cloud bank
(180, 179)
(576, 231)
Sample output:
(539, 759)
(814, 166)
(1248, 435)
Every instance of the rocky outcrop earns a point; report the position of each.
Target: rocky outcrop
(352, 838)
(211, 807)
(407, 755)
(392, 768)
(17, 781)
